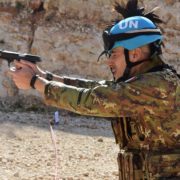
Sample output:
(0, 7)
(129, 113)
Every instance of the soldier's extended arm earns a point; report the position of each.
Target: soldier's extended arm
(77, 82)
(124, 99)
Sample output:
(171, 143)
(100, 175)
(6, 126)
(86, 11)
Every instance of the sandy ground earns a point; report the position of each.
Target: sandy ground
(85, 148)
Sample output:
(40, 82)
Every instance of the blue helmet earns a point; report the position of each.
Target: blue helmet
(146, 30)
(131, 33)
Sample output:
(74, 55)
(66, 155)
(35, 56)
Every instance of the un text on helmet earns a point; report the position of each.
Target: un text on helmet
(129, 24)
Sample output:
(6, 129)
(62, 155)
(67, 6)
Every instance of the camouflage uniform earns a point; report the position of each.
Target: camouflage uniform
(144, 112)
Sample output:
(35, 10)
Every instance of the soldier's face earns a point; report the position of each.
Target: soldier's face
(117, 63)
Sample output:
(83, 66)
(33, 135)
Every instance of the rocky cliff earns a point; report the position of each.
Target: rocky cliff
(67, 35)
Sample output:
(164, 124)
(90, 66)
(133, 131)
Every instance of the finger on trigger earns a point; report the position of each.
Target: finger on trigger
(25, 62)
(17, 64)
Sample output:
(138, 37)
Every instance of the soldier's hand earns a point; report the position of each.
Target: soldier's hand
(21, 75)
(34, 67)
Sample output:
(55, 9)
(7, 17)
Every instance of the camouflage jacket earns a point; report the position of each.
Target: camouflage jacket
(146, 108)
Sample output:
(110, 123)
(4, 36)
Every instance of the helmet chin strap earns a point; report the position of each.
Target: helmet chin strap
(129, 65)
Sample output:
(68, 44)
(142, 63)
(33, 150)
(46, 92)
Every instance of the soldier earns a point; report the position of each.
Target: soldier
(143, 100)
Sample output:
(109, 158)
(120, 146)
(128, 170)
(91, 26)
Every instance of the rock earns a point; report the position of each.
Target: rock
(16, 174)
(48, 164)
(100, 140)
(86, 174)
(97, 155)
(115, 173)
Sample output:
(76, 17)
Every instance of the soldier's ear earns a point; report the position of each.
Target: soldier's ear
(135, 55)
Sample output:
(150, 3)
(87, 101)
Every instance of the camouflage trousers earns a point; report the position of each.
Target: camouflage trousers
(127, 168)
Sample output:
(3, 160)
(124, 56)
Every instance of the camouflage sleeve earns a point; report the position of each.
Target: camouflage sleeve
(123, 99)
(83, 83)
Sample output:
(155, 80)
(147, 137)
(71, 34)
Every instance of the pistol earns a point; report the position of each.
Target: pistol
(10, 56)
